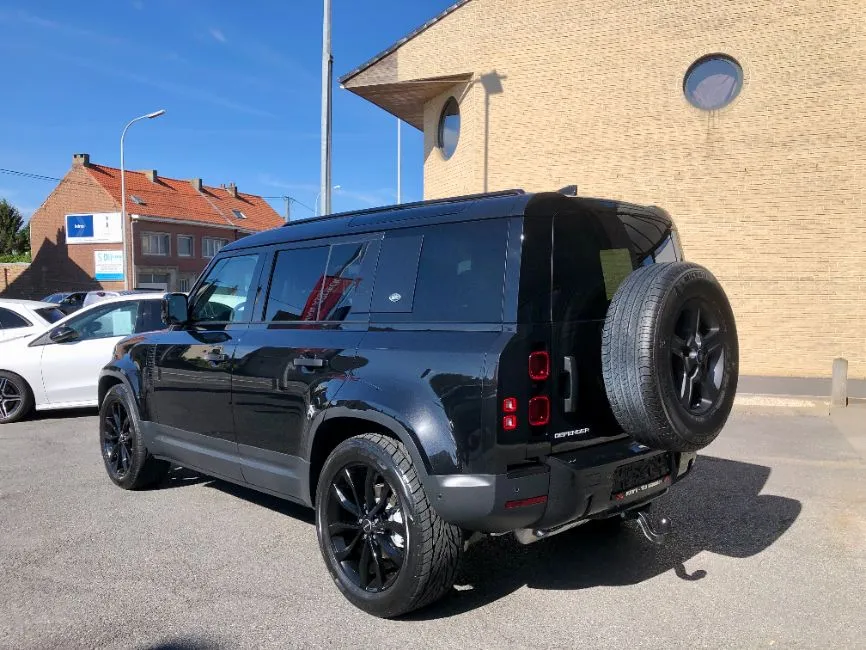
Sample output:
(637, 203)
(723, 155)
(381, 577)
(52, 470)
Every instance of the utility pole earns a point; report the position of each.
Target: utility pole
(288, 200)
(327, 76)
(399, 170)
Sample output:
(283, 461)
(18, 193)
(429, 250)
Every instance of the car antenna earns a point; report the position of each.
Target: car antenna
(568, 190)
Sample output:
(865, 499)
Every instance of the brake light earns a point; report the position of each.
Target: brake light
(539, 365)
(509, 405)
(509, 422)
(539, 410)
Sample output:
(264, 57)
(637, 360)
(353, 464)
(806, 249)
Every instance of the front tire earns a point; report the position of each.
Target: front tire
(387, 549)
(127, 461)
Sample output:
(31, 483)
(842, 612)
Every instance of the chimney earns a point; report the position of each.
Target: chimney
(232, 189)
(82, 159)
(196, 183)
(151, 174)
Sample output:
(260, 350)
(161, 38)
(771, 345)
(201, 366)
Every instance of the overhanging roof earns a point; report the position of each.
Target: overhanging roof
(406, 99)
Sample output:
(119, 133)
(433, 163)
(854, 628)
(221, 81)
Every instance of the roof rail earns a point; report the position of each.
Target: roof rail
(403, 206)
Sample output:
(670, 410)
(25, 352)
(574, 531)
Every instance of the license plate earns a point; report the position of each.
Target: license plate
(641, 476)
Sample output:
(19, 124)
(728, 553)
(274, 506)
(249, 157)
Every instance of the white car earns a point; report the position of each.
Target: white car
(58, 367)
(22, 317)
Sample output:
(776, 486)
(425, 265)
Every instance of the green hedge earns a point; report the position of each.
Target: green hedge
(18, 257)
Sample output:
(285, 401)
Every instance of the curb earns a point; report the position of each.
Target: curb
(785, 401)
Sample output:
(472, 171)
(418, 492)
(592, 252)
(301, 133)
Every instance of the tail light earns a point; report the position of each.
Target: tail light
(539, 365)
(539, 411)
(509, 422)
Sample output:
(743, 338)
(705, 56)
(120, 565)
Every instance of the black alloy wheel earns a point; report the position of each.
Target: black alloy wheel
(697, 349)
(117, 443)
(11, 398)
(366, 527)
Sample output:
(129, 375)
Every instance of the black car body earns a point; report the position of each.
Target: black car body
(469, 329)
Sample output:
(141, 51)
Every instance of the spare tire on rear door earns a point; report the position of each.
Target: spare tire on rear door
(670, 356)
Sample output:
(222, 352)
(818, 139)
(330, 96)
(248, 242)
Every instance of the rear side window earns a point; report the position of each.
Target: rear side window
(342, 281)
(460, 272)
(50, 314)
(295, 285)
(10, 320)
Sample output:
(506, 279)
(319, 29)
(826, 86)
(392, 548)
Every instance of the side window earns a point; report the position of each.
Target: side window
(296, 285)
(461, 273)
(106, 322)
(397, 270)
(225, 296)
(10, 320)
(342, 280)
(149, 316)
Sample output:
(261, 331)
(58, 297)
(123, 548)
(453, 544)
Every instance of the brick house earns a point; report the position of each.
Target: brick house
(175, 227)
(742, 118)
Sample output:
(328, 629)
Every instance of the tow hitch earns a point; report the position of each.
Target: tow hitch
(654, 533)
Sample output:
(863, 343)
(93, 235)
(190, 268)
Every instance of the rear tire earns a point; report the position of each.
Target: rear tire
(127, 461)
(670, 357)
(16, 398)
(387, 549)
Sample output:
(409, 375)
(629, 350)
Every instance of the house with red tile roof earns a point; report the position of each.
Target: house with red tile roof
(173, 228)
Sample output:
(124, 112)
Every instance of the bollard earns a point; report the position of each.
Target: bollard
(839, 387)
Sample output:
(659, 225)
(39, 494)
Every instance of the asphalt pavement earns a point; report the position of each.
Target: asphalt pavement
(768, 550)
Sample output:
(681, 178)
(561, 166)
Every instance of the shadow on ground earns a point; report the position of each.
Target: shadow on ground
(719, 509)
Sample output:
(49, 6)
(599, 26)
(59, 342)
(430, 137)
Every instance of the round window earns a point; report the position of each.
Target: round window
(449, 128)
(713, 82)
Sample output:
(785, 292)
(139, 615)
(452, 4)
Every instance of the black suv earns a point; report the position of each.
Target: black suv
(485, 364)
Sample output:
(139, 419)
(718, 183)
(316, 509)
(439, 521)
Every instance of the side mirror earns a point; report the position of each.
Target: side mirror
(63, 335)
(175, 309)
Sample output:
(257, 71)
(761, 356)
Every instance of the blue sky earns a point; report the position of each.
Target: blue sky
(240, 85)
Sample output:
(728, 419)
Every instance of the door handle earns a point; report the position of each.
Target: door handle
(569, 404)
(307, 362)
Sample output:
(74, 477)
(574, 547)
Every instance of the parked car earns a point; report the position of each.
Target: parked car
(417, 374)
(68, 302)
(58, 366)
(22, 317)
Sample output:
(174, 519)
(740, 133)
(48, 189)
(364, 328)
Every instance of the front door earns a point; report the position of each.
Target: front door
(190, 381)
(70, 370)
(297, 354)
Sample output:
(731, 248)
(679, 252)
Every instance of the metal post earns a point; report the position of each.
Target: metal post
(288, 201)
(399, 170)
(327, 76)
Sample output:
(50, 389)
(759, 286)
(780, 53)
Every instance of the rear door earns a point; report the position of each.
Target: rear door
(595, 246)
(298, 352)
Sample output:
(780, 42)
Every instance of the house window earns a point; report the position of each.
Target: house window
(184, 246)
(153, 243)
(712, 82)
(211, 246)
(449, 128)
(183, 285)
(151, 280)
(238, 214)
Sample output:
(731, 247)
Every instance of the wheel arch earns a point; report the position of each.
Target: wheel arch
(343, 423)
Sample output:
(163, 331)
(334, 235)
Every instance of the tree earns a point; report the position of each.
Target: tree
(14, 237)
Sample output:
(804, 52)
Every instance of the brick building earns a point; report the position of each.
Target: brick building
(742, 118)
(175, 227)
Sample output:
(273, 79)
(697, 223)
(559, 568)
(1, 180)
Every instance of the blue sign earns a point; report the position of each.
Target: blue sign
(79, 225)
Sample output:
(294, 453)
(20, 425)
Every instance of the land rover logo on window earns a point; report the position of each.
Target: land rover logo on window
(394, 297)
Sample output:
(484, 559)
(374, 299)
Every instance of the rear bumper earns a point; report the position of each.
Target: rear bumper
(578, 485)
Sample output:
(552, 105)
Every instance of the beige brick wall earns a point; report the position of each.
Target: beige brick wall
(767, 192)
(15, 281)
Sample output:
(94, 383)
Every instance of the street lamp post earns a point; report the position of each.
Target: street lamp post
(126, 270)
(319, 195)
